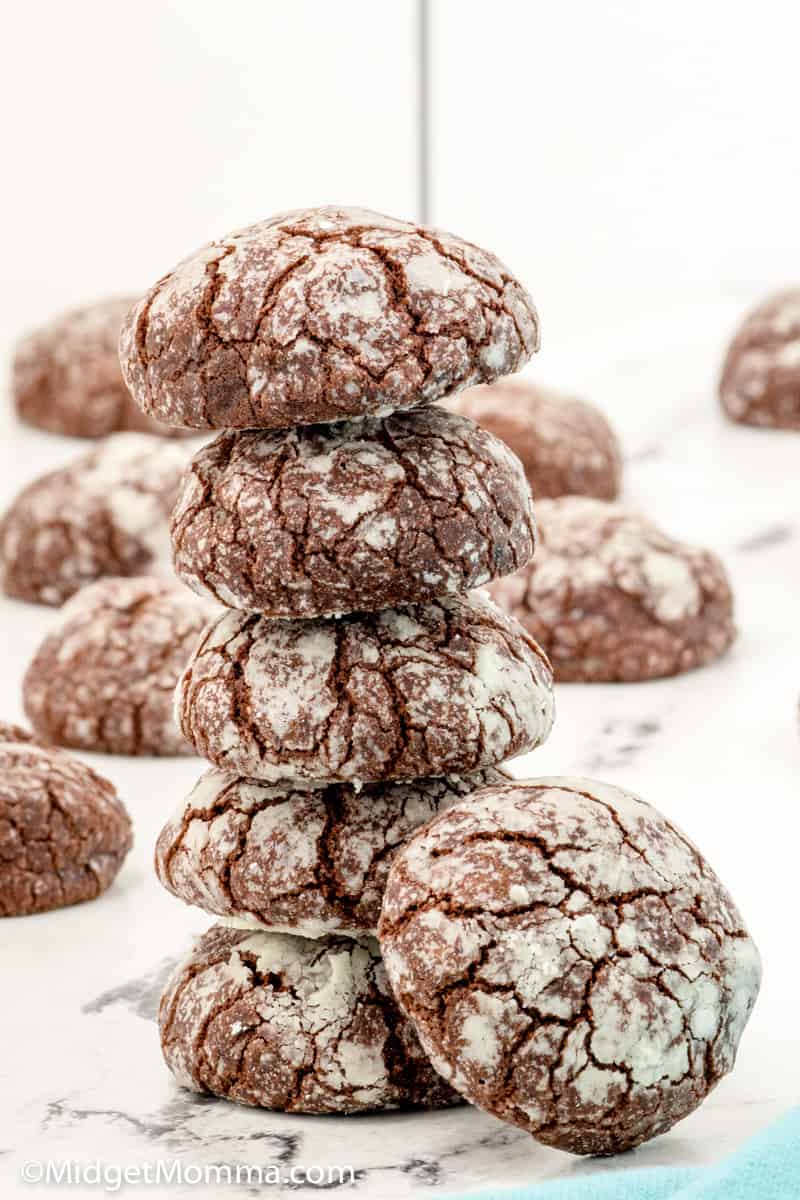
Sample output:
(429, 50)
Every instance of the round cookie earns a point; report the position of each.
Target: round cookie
(64, 832)
(359, 515)
(565, 445)
(760, 383)
(322, 314)
(436, 689)
(66, 376)
(613, 599)
(105, 514)
(104, 678)
(295, 1025)
(16, 733)
(293, 857)
(570, 961)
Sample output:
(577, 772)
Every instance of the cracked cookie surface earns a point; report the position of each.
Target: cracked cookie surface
(107, 513)
(570, 961)
(435, 689)
(322, 314)
(66, 376)
(760, 383)
(294, 1025)
(359, 515)
(294, 858)
(565, 445)
(64, 832)
(105, 677)
(613, 599)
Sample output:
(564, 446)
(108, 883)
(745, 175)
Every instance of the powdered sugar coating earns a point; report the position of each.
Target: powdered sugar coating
(570, 961)
(294, 1025)
(295, 857)
(64, 833)
(359, 515)
(319, 315)
(760, 382)
(105, 514)
(104, 678)
(66, 376)
(565, 445)
(436, 689)
(611, 597)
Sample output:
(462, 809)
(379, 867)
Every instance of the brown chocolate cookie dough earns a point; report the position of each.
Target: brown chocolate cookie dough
(436, 689)
(105, 514)
(760, 382)
(293, 857)
(66, 376)
(612, 598)
(104, 679)
(565, 445)
(64, 833)
(322, 314)
(570, 961)
(359, 515)
(294, 1025)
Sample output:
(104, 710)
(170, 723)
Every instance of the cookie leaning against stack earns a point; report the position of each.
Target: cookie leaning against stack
(355, 690)
(592, 984)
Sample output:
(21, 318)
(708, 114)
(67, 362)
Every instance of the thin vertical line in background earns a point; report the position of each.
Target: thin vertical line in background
(423, 111)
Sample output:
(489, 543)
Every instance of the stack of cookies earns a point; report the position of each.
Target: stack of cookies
(352, 689)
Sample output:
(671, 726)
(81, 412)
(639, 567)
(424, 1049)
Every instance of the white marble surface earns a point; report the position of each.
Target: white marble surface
(80, 1070)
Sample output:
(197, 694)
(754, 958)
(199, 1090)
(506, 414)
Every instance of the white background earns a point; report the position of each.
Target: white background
(624, 157)
(637, 165)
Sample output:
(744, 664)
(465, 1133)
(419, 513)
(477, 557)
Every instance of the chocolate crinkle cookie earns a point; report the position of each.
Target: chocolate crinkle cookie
(16, 733)
(760, 382)
(64, 832)
(565, 445)
(612, 598)
(104, 678)
(357, 515)
(293, 857)
(66, 376)
(105, 514)
(436, 689)
(569, 960)
(322, 314)
(296, 1025)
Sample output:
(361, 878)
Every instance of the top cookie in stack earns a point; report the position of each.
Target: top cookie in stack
(320, 315)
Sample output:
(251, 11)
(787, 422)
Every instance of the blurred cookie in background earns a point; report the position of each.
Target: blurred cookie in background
(104, 678)
(64, 832)
(610, 598)
(566, 445)
(66, 376)
(9, 732)
(107, 513)
(760, 383)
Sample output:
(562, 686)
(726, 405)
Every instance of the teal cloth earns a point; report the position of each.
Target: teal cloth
(765, 1168)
